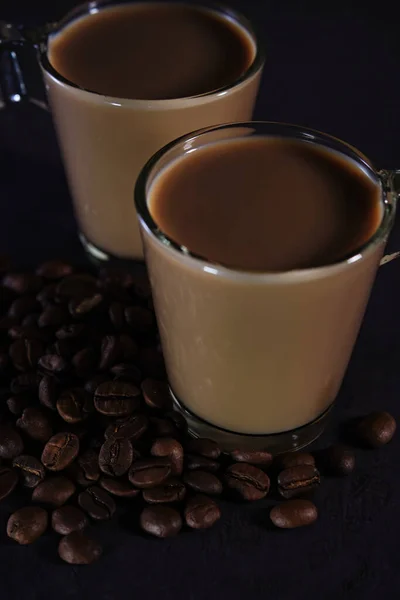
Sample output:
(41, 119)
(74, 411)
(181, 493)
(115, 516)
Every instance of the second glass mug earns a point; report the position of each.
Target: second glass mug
(255, 360)
(106, 140)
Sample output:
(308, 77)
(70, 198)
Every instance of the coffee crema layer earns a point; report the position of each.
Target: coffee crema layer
(152, 51)
(266, 204)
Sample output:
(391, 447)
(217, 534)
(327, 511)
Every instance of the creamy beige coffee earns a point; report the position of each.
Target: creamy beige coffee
(126, 80)
(257, 332)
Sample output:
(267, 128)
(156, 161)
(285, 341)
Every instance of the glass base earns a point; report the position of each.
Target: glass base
(276, 443)
(101, 258)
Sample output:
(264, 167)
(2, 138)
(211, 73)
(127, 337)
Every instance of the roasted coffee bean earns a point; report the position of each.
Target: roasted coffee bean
(11, 444)
(256, 457)
(72, 331)
(75, 405)
(119, 284)
(116, 276)
(76, 286)
(118, 487)
(17, 404)
(113, 279)
(116, 314)
(116, 456)
(84, 362)
(193, 462)
(203, 482)
(47, 295)
(204, 447)
(163, 427)
(156, 394)
(97, 503)
(53, 316)
(67, 519)
(26, 382)
(296, 481)
(78, 475)
(54, 491)
(17, 332)
(80, 307)
(60, 451)
(8, 481)
(89, 463)
(25, 353)
(31, 320)
(139, 319)
(172, 490)
(65, 348)
(294, 513)
(126, 372)
(52, 363)
(22, 306)
(337, 460)
(30, 468)
(171, 448)
(131, 428)
(77, 549)
(248, 481)
(201, 512)
(54, 269)
(129, 348)
(22, 283)
(48, 391)
(376, 429)
(295, 459)
(27, 524)
(117, 398)
(93, 383)
(36, 423)
(161, 521)
(149, 472)
(111, 352)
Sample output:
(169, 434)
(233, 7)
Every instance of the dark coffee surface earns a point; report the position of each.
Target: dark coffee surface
(318, 76)
(266, 204)
(151, 51)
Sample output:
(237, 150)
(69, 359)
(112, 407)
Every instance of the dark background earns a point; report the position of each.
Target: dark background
(332, 66)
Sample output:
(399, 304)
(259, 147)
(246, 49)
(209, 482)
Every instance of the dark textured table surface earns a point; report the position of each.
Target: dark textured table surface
(332, 66)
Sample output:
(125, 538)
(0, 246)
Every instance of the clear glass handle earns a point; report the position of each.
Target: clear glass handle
(12, 84)
(391, 185)
(16, 41)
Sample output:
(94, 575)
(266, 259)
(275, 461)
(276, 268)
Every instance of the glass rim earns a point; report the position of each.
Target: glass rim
(292, 132)
(223, 11)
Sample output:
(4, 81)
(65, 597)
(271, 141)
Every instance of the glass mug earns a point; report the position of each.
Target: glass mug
(105, 140)
(255, 360)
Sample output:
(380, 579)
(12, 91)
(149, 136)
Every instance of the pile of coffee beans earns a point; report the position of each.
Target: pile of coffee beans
(86, 420)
